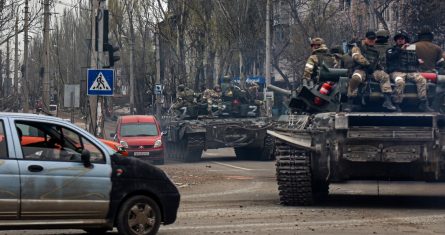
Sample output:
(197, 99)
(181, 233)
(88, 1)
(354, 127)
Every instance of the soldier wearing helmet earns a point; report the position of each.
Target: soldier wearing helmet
(320, 55)
(367, 63)
(185, 97)
(430, 54)
(403, 64)
(382, 44)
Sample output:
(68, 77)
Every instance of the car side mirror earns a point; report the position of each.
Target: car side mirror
(86, 159)
(164, 133)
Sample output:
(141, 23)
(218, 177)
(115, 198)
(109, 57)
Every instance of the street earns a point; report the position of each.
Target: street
(221, 195)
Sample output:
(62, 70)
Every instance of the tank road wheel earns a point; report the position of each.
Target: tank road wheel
(294, 177)
(193, 148)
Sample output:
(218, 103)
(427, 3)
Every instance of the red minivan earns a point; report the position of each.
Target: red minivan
(141, 136)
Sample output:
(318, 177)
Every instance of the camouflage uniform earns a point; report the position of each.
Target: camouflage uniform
(366, 59)
(185, 98)
(404, 64)
(212, 96)
(319, 56)
(252, 92)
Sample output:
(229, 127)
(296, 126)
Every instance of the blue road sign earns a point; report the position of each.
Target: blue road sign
(100, 82)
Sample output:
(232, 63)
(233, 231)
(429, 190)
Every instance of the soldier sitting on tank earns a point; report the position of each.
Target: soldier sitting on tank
(338, 53)
(234, 92)
(252, 92)
(211, 97)
(366, 65)
(185, 98)
(403, 63)
(382, 45)
(320, 55)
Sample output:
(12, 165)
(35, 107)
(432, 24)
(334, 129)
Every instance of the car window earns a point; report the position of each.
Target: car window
(44, 141)
(3, 142)
(139, 129)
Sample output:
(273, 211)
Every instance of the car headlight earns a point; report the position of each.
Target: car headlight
(124, 144)
(158, 143)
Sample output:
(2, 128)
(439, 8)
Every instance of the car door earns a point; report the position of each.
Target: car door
(9, 175)
(55, 184)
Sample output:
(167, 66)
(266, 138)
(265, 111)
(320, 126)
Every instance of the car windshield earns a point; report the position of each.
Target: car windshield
(139, 129)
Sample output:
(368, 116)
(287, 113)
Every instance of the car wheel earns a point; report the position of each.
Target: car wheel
(139, 215)
(97, 231)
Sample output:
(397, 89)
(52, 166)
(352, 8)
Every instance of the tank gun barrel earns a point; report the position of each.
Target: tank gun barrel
(279, 90)
(331, 74)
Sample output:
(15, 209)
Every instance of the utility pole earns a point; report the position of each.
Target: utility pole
(93, 99)
(46, 69)
(268, 57)
(100, 62)
(96, 124)
(25, 83)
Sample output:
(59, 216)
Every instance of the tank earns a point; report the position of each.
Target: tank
(318, 144)
(238, 124)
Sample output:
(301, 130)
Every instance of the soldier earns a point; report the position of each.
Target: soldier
(366, 63)
(404, 64)
(186, 97)
(212, 96)
(430, 54)
(252, 93)
(346, 60)
(318, 57)
(338, 54)
(382, 45)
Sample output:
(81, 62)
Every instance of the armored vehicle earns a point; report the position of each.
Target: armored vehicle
(318, 143)
(235, 122)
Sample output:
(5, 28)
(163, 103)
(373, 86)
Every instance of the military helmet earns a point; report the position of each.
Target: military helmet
(217, 88)
(317, 41)
(181, 87)
(401, 34)
(382, 33)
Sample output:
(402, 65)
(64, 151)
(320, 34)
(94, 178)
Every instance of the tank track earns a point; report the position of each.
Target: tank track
(294, 178)
(193, 149)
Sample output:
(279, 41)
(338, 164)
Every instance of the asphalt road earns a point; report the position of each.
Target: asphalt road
(221, 195)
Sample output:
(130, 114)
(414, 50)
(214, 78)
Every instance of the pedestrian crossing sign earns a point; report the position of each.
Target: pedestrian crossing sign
(100, 82)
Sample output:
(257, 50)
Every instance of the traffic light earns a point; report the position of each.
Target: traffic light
(111, 57)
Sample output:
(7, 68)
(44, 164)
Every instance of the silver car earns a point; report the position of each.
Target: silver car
(54, 174)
